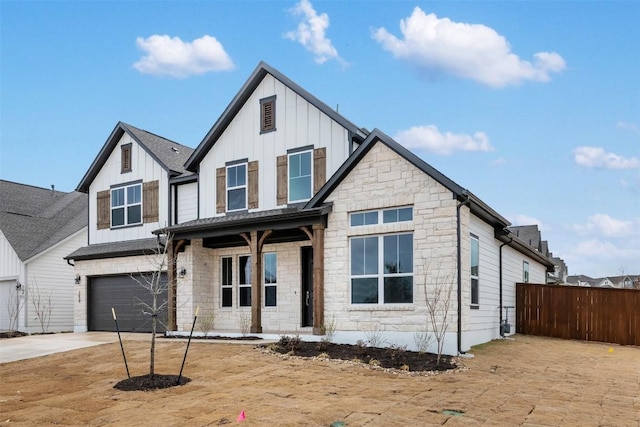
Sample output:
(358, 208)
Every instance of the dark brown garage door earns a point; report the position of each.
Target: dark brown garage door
(125, 295)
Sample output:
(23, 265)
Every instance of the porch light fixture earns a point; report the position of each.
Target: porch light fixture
(182, 272)
(77, 280)
(18, 286)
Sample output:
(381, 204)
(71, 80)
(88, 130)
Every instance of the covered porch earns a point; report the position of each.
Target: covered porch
(250, 232)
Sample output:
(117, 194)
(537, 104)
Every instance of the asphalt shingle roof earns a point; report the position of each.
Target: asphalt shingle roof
(34, 218)
(116, 249)
(169, 154)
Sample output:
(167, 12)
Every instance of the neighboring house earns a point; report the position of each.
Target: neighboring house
(38, 227)
(619, 282)
(532, 236)
(307, 221)
(136, 184)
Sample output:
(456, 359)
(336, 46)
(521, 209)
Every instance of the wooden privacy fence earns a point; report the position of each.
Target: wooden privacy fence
(572, 312)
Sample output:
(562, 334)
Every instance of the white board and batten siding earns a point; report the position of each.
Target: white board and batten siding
(484, 322)
(143, 167)
(10, 264)
(187, 199)
(50, 275)
(298, 124)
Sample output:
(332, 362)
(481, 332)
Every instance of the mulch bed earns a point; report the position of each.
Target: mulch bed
(147, 382)
(12, 334)
(391, 357)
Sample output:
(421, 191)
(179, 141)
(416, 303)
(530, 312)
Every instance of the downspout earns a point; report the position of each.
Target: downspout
(500, 285)
(460, 205)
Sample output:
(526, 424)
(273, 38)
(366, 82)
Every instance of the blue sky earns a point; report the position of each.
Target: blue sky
(532, 106)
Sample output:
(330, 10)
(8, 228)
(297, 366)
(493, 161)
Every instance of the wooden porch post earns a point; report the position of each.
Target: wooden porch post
(318, 279)
(171, 292)
(256, 280)
(255, 241)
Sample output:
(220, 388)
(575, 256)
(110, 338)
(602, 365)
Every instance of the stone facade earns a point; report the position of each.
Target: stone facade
(383, 179)
(201, 287)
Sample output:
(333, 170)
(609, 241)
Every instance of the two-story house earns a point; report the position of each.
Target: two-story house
(306, 220)
(136, 184)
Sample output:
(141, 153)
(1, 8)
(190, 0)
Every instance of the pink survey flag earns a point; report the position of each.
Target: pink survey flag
(241, 417)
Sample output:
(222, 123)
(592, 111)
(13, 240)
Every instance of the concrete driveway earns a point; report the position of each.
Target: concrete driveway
(31, 346)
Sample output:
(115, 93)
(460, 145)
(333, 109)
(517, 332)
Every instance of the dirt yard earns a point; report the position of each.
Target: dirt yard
(528, 381)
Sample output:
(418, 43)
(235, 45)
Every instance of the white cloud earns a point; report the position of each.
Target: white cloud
(470, 51)
(431, 139)
(173, 57)
(605, 226)
(597, 157)
(311, 32)
(600, 258)
(520, 219)
(631, 127)
(499, 162)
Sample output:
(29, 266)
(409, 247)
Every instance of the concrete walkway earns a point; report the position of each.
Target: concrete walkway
(30, 346)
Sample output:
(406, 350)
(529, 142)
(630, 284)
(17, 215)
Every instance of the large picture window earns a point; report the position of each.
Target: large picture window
(237, 187)
(227, 281)
(126, 205)
(382, 269)
(244, 280)
(270, 276)
(300, 176)
(475, 270)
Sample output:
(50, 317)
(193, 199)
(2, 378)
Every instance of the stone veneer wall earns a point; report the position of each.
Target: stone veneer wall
(102, 267)
(201, 288)
(383, 179)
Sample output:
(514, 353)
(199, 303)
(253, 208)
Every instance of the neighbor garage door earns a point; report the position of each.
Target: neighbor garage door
(125, 295)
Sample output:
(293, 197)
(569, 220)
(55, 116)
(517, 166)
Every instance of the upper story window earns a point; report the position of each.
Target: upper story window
(525, 271)
(268, 114)
(475, 270)
(125, 158)
(300, 176)
(388, 216)
(237, 187)
(126, 205)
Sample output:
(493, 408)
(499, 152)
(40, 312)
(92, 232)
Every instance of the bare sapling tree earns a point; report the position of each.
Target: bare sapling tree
(437, 297)
(41, 303)
(14, 308)
(154, 285)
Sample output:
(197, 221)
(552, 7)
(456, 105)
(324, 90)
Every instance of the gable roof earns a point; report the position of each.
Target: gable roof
(33, 219)
(241, 98)
(169, 154)
(478, 207)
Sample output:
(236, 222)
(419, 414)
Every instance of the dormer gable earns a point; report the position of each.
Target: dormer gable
(169, 155)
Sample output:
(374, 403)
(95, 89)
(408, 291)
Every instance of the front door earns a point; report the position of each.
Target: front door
(307, 285)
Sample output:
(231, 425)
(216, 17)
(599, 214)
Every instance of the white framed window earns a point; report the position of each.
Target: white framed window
(525, 271)
(237, 187)
(270, 278)
(244, 281)
(226, 270)
(300, 176)
(475, 270)
(384, 216)
(126, 205)
(382, 269)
